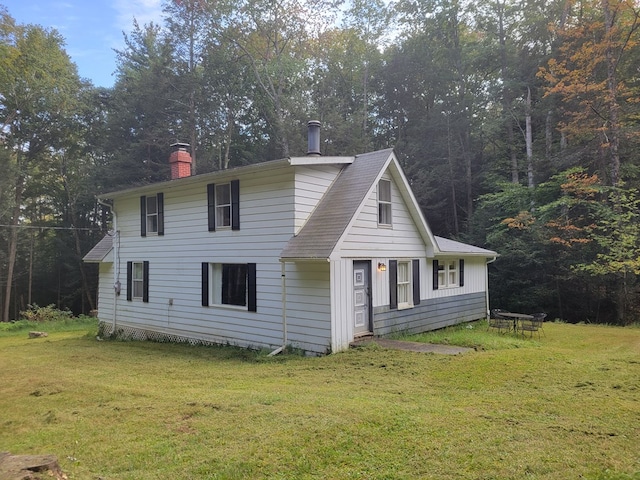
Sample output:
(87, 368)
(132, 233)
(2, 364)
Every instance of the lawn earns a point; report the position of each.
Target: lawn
(563, 406)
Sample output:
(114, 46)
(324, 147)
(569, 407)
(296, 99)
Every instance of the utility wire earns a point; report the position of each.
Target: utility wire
(35, 227)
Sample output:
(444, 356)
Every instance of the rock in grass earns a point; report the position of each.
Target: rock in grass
(30, 467)
(38, 334)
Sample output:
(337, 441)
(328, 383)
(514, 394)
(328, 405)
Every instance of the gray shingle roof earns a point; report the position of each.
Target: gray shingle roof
(326, 225)
(451, 246)
(100, 251)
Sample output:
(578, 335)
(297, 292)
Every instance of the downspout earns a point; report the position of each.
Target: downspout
(283, 277)
(486, 282)
(116, 262)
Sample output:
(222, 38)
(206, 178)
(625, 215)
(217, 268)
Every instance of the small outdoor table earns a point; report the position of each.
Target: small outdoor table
(516, 317)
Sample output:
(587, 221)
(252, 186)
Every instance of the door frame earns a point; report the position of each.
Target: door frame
(368, 277)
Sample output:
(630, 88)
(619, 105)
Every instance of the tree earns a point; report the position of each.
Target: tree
(38, 88)
(597, 41)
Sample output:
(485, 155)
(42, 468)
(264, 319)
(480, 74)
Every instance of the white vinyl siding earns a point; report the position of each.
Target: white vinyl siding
(175, 308)
(311, 184)
(365, 239)
(475, 279)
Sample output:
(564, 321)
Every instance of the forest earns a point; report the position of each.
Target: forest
(517, 123)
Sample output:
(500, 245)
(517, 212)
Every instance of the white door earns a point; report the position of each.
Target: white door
(361, 298)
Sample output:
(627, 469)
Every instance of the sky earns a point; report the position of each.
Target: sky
(91, 28)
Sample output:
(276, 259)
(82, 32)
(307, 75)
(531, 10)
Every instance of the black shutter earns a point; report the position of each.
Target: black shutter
(143, 216)
(435, 274)
(205, 284)
(235, 204)
(211, 206)
(129, 281)
(393, 284)
(415, 272)
(251, 288)
(461, 272)
(145, 281)
(160, 206)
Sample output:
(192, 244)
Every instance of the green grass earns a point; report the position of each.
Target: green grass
(564, 406)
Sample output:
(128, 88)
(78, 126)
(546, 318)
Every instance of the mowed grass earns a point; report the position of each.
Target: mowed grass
(561, 407)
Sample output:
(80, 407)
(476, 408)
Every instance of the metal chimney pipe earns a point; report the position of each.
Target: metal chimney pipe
(313, 127)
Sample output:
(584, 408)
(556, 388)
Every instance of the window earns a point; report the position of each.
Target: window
(448, 273)
(152, 214)
(404, 283)
(138, 281)
(229, 284)
(384, 202)
(223, 205)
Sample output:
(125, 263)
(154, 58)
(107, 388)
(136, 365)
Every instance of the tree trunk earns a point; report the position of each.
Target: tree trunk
(548, 134)
(614, 107)
(13, 245)
(529, 141)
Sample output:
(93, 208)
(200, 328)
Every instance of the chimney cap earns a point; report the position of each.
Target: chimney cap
(313, 138)
(180, 146)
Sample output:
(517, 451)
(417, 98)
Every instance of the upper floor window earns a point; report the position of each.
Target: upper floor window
(152, 214)
(223, 205)
(384, 202)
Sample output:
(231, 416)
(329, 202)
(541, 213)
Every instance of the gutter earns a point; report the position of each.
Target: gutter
(486, 282)
(283, 268)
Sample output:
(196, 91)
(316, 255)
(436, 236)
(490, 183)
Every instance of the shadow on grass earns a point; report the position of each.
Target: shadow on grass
(476, 335)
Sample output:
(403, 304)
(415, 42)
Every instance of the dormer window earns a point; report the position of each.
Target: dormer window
(384, 202)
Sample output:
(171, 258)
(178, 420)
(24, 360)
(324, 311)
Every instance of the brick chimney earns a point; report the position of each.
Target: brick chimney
(180, 161)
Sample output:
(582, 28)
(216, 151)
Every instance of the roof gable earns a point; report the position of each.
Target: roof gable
(326, 225)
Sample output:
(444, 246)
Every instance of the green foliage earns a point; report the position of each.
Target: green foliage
(55, 321)
(50, 313)
(476, 335)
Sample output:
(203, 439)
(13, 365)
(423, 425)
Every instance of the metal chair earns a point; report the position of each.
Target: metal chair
(496, 320)
(532, 325)
(539, 319)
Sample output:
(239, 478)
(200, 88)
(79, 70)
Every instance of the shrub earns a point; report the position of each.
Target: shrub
(50, 313)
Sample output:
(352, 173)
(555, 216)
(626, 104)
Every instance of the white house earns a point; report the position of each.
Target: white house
(310, 252)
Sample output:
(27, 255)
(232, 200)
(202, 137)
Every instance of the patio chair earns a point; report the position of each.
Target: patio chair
(532, 325)
(497, 321)
(539, 319)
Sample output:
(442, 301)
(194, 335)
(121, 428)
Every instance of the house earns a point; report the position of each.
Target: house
(311, 252)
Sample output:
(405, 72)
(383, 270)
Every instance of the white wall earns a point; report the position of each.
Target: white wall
(311, 184)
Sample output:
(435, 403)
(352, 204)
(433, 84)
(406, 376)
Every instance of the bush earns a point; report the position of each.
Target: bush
(50, 313)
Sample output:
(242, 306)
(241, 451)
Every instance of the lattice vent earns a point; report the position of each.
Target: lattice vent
(129, 333)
